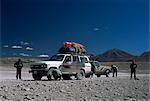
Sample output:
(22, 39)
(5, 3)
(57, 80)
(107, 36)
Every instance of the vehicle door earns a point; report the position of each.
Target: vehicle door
(87, 65)
(77, 65)
(71, 64)
(67, 64)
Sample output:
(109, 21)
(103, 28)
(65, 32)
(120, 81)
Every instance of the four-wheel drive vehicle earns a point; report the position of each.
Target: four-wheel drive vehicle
(99, 70)
(62, 65)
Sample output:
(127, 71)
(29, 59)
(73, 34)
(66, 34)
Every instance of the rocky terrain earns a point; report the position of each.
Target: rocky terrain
(91, 89)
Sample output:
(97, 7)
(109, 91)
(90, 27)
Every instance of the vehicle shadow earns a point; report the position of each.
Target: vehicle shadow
(42, 80)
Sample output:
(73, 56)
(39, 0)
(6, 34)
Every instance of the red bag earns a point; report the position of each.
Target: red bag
(68, 44)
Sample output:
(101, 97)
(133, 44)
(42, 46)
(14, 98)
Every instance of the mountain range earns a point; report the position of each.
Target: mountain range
(117, 55)
(25, 49)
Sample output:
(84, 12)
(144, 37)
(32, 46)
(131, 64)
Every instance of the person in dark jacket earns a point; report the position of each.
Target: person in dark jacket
(114, 70)
(18, 66)
(133, 67)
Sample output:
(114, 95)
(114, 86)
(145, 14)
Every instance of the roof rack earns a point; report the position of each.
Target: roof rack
(73, 53)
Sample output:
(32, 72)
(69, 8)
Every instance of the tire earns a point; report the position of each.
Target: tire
(66, 77)
(54, 73)
(80, 75)
(36, 76)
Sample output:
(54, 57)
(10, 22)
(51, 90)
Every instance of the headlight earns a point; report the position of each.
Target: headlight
(44, 65)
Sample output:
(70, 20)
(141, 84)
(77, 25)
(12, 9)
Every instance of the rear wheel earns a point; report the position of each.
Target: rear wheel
(80, 75)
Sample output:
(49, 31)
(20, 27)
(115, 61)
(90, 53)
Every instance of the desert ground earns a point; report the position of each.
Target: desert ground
(104, 88)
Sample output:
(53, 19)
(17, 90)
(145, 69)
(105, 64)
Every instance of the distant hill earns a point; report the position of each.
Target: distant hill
(144, 56)
(11, 60)
(119, 55)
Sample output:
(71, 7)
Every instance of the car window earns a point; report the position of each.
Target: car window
(84, 59)
(75, 59)
(57, 58)
(67, 59)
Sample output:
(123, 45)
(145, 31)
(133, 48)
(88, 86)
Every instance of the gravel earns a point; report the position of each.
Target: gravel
(91, 89)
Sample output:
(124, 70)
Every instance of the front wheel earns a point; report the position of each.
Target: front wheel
(36, 76)
(80, 75)
(54, 73)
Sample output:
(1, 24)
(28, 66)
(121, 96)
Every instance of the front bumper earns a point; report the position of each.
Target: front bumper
(39, 71)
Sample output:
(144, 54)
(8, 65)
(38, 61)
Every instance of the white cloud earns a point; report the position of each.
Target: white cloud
(16, 47)
(43, 56)
(23, 54)
(29, 48)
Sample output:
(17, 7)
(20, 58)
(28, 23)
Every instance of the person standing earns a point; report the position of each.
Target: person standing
(133, 67)
(18, 66)
(114, 70)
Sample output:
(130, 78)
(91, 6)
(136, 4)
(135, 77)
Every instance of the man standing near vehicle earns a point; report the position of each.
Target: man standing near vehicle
(114, 70)
(133, 67)
(18, 66)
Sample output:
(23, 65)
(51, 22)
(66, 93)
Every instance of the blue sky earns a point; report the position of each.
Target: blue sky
(100, 25)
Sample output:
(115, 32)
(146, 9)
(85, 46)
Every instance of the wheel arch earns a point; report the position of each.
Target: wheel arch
(53, 68)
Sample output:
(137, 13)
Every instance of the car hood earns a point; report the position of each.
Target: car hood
(49, 63)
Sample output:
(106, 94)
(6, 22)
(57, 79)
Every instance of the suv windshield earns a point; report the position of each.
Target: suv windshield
(57, 58)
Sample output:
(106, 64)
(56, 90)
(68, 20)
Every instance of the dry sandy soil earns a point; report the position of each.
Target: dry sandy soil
(89, 89)
(95, 89)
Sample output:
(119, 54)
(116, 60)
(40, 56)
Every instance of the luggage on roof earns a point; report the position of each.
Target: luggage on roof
(72, 47)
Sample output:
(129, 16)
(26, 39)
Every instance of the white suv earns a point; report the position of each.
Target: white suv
(62, 65)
